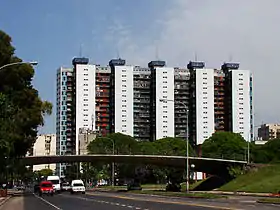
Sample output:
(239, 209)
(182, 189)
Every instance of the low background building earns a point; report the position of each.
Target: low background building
(268, 131)
(45, 145)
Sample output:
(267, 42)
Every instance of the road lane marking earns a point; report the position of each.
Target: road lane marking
(165, 201)
(102, 201)
(44, 200)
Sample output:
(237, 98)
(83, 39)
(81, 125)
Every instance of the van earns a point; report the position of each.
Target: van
(77, 186)
(56, 183)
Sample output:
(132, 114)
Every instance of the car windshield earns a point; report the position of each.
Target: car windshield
(46, 185)
(55, 181)
(78, 185)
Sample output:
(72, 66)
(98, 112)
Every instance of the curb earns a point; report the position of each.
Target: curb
(5, 200)
(264, 202)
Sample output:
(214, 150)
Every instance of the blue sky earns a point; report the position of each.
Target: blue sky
(52, 32)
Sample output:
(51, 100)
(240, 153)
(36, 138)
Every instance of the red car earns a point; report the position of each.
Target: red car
(46, 187)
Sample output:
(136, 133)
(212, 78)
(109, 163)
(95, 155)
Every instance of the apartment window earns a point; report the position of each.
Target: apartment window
(165, 72)
(240, 74)
(204, 83)
(123, 110)
(240, 83)
(123, 105)
(241, 94)
(85, 110)
(205, 78)
(123, 115)
(124, 126)
(85, 94)
(241, 118)
(241, 123)
(164, 91)
(124, 80)
(240, 99)
(85, 74)
(85, 84)
(240, 79)
(164, 81)
(164, 106)
(164, 131)
(85, 99)
(204, 126)
(123, 120)
(164, 96)
(241, 104)
(164, 111)
(123, 95)
(204, 102)
(123, 131)
(123, 70)
(123, 91)
(241, 108)
(123, 85)
(205, 88)
(85, 120)
(205, 122)
(204, 117)
(241, 128)
(85, 104)
(85, 115)
(205, 107)
(204, 92)
(205, 112)
(164, 86)
(164, 116)
(240, 88)
(165, 126)
(85, 89)
(85, 79)
(123, 75)
(164, 121)
(204, 73)
(165, 77)
(123, 100)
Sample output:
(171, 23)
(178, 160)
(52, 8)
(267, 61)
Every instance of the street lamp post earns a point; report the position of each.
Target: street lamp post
(34, 63)
(113, 162)
(187, 139)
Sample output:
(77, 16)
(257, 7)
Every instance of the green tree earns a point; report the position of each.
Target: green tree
(226, 145)
(21, 109)
(267, 153)
(45, 172)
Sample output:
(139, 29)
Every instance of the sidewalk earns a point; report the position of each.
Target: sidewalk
(239, 193)
(3, 200)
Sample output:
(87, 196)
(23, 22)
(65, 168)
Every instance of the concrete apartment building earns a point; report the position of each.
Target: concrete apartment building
(127, 99)
(268, 131)
(45, 145)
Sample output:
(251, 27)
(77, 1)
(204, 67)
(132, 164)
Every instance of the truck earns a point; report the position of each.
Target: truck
(56, 183)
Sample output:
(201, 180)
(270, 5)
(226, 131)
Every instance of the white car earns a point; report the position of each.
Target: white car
(77, 186)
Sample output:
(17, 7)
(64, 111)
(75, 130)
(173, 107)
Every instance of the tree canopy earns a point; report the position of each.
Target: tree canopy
(225, 145)
(21, 109)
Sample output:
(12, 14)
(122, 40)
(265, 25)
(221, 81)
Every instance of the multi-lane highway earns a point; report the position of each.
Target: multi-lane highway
(121, 201)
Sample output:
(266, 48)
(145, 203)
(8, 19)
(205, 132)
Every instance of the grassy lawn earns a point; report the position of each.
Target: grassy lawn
(264, 180)
(270, 200)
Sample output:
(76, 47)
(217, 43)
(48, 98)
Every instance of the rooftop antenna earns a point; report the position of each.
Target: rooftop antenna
(195, 56)
(156, 52)
(230, 57)
(81, 50)
(118, 53)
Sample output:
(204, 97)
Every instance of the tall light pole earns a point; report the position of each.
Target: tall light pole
(187, 138)
(33, 63)
(113, 162)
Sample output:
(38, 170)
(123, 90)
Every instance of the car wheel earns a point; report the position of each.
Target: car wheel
(83, 192)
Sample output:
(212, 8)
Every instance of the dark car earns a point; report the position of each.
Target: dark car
(134, 186)
(36, 188)
(46, 187)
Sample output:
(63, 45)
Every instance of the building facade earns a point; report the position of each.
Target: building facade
(151, 102)
(45, 145)
(268, 131)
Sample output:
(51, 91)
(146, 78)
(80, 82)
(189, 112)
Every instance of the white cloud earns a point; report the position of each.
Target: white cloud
(215, 29)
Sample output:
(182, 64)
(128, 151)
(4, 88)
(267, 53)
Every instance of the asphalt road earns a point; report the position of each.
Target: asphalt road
(116, 201)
